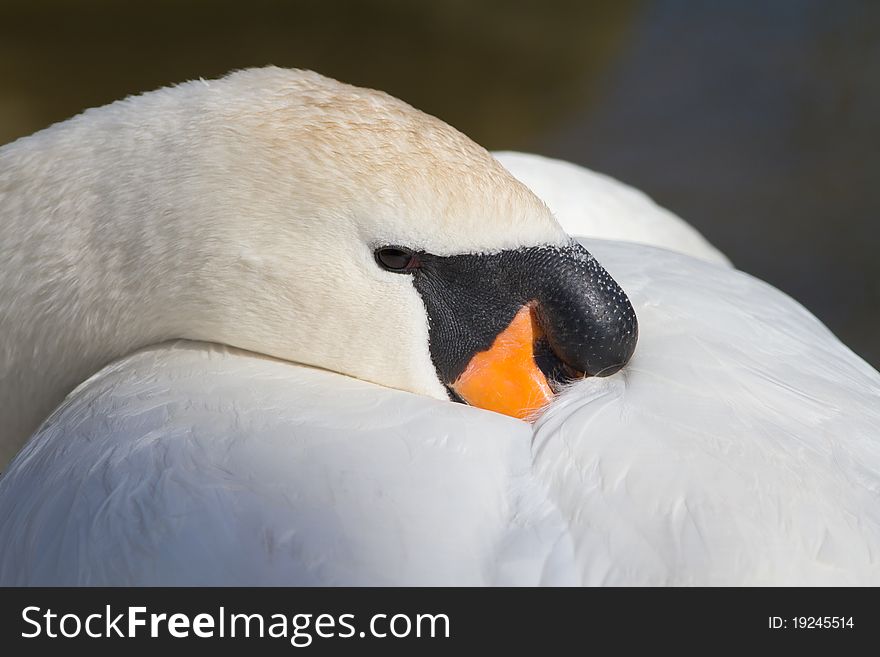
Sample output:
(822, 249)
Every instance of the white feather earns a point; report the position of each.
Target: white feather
(740, 446)
(244, 211)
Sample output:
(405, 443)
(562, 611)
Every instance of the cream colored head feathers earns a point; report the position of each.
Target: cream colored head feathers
(244, 211)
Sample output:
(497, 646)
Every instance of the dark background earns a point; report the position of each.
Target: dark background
(756, 121)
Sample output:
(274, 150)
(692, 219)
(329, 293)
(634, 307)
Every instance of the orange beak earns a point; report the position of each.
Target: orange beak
(505, 379)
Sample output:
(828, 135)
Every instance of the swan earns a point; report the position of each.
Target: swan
(275, 211)
(738, 446)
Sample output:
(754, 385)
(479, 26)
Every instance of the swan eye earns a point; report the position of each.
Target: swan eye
(397, 259)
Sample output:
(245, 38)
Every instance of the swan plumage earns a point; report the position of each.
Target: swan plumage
(740, 446)
(242, 211)
(222, 467)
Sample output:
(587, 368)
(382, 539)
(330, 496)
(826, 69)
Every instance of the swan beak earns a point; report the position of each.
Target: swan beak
(505, 378)
(507, 330)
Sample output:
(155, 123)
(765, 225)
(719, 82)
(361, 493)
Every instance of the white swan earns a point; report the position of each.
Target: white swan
(291, 215)
(740, 446)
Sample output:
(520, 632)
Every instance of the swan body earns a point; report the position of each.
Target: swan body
(752, 459)
(741, 445)
(225, 468)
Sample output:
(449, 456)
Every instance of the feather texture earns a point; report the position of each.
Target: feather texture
(740, 446)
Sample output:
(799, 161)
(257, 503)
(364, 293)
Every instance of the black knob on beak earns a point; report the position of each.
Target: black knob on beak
(588, 321)
(504, 328)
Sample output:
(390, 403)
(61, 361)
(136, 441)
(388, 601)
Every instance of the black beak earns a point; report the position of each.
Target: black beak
(589, 323)
(506, 328)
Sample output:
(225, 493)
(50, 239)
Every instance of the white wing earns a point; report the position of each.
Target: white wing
(594, 205)
(741, 445)
(192, 464)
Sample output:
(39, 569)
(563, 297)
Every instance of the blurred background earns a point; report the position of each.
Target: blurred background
(758, 122)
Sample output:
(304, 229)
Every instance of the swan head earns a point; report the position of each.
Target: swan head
(341, 228)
